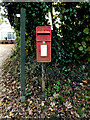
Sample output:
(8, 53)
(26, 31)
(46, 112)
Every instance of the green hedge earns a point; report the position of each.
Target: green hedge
(73, 46)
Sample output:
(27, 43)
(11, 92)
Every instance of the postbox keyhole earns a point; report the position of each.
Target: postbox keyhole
(43, 42)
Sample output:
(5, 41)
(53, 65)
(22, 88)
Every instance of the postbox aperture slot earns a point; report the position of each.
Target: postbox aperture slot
(43, 33)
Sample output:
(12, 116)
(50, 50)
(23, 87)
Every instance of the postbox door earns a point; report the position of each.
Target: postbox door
(43, 52)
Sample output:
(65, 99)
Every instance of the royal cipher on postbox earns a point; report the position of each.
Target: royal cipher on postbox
(43, 43)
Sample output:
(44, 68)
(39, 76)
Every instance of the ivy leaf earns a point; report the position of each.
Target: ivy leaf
(80, 48)
(86, 30)
(68, 92)
(87, 38)
(54, 16)
(67, 10)
(0, 21)
(33, 14)
(75, 55)
(84, 44)
(76, 44)
(78, 33)
(26, 33)
(71, 9)
(65, 17)
(53, 100)
(69, 80)
(79, 110)
(88, 49)
(58, 82)
(25, 113)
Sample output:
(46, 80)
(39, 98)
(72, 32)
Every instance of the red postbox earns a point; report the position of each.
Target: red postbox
(43, 43)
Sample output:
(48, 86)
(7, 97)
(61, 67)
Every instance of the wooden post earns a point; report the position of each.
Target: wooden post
(43, 77)
(22, 36)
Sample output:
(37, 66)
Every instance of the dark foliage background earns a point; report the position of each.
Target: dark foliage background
(74, 26)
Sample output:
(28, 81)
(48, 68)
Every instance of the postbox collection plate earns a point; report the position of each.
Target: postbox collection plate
(43, 50)
(43, 43)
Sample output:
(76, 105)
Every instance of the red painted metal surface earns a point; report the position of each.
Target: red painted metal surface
(43, 37)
